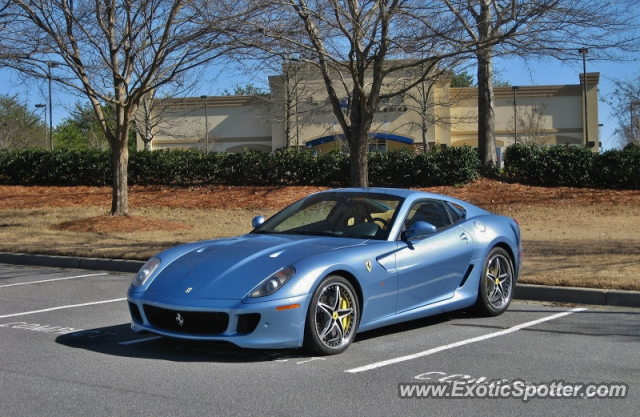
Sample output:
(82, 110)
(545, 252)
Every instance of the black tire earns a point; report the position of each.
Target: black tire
(333, 317)
(496, 283)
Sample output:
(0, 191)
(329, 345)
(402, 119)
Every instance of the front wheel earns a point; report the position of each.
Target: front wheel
(496, 283)
(333, 317)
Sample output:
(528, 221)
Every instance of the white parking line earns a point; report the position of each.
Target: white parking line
(51, 280)
(462, 343)
(61, 308)
(146, 339)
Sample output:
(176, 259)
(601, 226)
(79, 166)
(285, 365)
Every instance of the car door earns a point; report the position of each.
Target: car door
(431, 267)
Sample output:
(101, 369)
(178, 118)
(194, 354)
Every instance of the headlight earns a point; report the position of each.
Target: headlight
(145, 272)
(273, 283)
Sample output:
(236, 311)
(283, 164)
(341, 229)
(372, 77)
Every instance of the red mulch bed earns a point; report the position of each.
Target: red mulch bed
(484, 193)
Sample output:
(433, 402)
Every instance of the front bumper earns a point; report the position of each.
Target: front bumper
(248, 325)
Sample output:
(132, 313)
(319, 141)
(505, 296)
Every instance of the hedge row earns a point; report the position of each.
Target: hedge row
(573, 166)
(61, 167)
(439, 166)
(448, 166)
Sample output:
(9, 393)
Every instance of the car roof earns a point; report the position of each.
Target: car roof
(412, 195)
(398, 192)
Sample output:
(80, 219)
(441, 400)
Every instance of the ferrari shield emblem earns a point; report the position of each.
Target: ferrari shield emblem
(368, 265)
(188, 290)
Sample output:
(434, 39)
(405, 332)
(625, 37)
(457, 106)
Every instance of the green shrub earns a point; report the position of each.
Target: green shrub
(619, 169)
(397, 168)
(60, 167)
(439, 166)
(392, 169)
(573, 166)
(550, 165)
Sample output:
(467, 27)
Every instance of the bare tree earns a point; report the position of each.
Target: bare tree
(293, 91)
(180, 119)
(625, 101)
(146, 120)
(115, 52)
(534, 28)
(424, 104)
(293, 99)
(361, 49)
(432, 109)
(154, 118)
(210, 142)
(531, 126)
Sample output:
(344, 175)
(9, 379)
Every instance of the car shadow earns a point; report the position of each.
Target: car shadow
(414, 325)
(121, 341)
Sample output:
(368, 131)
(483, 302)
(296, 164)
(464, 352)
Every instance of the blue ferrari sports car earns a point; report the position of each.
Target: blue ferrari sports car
(329, 266)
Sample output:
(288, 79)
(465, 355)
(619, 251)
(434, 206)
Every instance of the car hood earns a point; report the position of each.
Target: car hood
(231, 268)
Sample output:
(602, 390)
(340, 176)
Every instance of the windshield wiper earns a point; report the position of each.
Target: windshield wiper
(299, 233)
(311, 233)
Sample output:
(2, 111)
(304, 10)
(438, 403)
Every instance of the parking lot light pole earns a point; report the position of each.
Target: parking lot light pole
(206, 124)
(49, 66)
(515, 117)
(44, 106)
(584, 51)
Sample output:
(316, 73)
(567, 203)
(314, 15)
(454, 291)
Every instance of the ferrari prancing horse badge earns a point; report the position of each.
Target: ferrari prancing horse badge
(368, 265)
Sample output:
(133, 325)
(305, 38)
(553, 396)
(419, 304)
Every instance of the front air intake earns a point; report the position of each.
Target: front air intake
(247, 323)
(190, 322)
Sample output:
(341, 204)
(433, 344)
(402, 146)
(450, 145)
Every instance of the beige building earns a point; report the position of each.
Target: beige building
(297, 113)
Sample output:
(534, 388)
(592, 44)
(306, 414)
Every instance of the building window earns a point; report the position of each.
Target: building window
(377, 145)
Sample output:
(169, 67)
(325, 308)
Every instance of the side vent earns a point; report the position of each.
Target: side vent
(466, 275)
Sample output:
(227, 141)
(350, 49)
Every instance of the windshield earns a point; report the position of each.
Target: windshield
(343, 214)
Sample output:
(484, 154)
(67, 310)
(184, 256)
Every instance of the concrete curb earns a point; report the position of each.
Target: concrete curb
(114, 265)
(617, 298)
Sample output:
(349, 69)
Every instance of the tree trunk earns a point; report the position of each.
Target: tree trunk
(360, 118)
(486, 115)
(120, 163)
(425, 130)
(358, 159)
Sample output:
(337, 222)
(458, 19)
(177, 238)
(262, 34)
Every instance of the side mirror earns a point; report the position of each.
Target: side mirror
(257, 221)
(418, 229)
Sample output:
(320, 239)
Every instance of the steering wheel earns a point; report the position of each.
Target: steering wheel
(385, 223)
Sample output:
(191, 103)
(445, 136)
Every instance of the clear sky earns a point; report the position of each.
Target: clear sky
(512, 71)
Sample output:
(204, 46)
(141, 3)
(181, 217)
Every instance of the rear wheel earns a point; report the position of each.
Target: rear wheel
(333, 317)
(496, 283)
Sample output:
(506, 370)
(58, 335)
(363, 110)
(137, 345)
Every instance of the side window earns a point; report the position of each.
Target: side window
(457, 212)
(430, 211)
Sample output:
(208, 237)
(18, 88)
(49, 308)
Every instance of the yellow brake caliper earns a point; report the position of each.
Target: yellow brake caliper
(344, 304)
(495, 273)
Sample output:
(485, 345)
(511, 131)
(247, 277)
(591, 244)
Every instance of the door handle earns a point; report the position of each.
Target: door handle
(464, 237)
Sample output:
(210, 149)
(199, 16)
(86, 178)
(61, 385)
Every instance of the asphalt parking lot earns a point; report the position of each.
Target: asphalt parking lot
(66, 349)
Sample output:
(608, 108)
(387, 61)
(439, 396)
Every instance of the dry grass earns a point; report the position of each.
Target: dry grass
(73, 231)
(592, 246)
(573, 237)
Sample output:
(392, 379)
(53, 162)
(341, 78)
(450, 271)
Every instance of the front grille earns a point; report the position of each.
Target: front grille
(192, 322)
